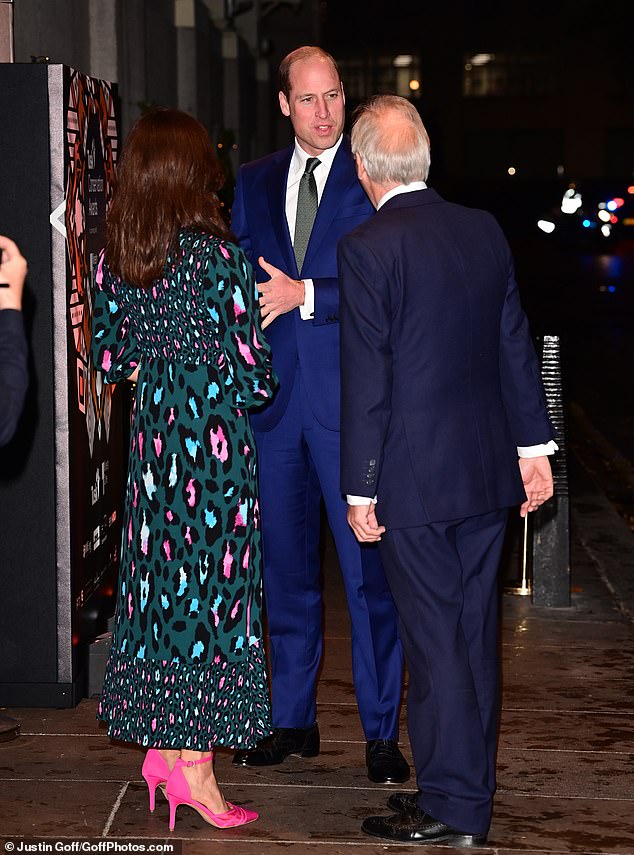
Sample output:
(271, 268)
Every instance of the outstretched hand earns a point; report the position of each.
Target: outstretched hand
(538, 482)
(279, 295)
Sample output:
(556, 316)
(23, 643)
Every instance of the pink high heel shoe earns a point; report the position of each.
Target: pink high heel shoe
(156, 772)
(179, 793)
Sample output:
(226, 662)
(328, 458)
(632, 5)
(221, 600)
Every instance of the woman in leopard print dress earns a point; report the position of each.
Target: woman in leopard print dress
(176, 310)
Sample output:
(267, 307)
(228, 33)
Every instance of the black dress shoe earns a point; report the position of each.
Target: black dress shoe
(386, 764)
(419, 827)
(403, 802)
(284, 741)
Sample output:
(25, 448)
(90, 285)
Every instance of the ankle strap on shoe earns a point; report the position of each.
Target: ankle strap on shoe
(181, 762)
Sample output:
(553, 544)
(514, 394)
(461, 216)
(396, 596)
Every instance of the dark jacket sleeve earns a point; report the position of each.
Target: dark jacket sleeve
(522, 387)
(366, 366)
(13, 371)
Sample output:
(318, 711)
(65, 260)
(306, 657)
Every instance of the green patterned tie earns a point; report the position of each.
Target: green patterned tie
(306, 210)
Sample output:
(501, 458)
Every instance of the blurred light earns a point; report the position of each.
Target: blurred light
(586, 224)
(511, 170)
(482, 58)
(611, 288)
(571, 202)
(630, 189)
(546, 226)
(604, 216)
(611, 266)
(618, 201)
(628, 221)
(605, 230)
(219, 145)
(611, 205)
(468, 66)
(403, 60)
(560, 170)
(603, 288)
(601, 206)
(414, 85)
(614, 219)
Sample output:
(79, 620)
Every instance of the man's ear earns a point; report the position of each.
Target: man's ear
(361, 173)
(343, 94)
(284, 106)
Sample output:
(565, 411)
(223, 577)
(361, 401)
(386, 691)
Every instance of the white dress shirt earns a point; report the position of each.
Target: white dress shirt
(522, 451)
(295, 172)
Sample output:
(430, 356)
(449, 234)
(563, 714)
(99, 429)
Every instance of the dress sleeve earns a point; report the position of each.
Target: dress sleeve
(115, 351)
(245, 352)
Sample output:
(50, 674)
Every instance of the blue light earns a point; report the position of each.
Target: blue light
(586, 224)
(611, 288)
(611, 206)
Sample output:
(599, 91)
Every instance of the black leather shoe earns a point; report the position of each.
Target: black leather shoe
(284, 741)
(419, 827)
(386, 764)
(403, 802)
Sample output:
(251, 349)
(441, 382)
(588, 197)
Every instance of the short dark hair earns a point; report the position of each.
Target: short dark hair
(166, 180)
(301, 53)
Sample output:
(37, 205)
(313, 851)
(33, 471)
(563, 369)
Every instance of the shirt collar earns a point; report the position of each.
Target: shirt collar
(401, 188)
(298, 163)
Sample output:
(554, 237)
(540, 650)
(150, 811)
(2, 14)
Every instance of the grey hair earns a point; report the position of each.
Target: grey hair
(392, 152)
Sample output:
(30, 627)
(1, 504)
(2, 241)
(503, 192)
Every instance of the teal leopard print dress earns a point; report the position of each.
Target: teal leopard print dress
(187, 667)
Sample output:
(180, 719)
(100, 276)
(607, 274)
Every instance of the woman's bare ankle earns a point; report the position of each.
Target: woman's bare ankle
(202, 781)
(170, 755)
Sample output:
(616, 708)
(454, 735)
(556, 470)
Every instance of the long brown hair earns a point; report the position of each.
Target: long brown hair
(166, 180)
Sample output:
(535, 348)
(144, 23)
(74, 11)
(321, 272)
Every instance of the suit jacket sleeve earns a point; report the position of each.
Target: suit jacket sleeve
(522, 388)
(13, 371)
(366, 366)
(326, 301)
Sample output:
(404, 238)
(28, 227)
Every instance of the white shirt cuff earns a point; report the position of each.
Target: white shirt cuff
(360, 500)
(537, 450)
(307, 310)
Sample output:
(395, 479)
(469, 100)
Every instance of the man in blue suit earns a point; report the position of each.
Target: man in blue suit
(441, 397)
(290, 211)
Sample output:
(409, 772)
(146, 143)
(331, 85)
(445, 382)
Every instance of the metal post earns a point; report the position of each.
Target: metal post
(551, 523)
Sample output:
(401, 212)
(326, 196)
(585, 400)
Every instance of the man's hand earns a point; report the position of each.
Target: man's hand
(279, 295)
(538, 482)
(13, 269)
(362, 520)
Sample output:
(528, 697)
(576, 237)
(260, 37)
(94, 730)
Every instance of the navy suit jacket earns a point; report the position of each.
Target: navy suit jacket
(13, 371)
(440, 380)
(259, 223)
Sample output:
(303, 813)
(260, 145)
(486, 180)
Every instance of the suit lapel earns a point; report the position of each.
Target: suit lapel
(276, 189)
(341, 179)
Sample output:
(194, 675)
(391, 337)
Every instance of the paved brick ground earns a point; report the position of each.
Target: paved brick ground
(566, 754)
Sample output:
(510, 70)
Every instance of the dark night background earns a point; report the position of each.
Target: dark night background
(556, 102)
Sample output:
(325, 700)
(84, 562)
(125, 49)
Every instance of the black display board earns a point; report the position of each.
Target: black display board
(61, 477)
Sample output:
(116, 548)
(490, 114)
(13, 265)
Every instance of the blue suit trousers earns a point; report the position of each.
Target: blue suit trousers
(299, 464)
(444, 580)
